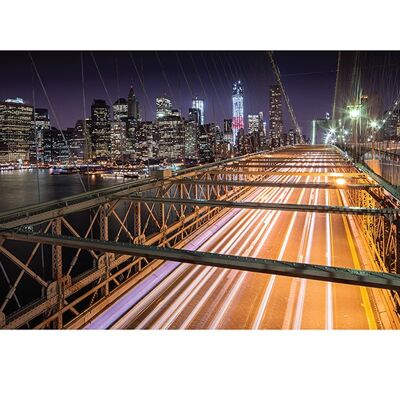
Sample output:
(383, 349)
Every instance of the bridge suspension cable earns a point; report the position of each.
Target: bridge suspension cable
(336, 86)
(278, 78)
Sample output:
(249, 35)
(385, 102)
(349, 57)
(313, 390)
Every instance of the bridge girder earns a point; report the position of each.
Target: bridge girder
(349, 276)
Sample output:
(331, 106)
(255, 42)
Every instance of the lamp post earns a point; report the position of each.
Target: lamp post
(355, 116)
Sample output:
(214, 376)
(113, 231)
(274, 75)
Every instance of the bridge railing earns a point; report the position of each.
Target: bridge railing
(61, 283)
(382, 232)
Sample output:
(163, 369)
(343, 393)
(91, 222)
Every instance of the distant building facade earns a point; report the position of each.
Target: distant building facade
(15, 129)
(275, 115)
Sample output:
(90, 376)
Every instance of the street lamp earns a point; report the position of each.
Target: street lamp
(355, 114)
(374, 124)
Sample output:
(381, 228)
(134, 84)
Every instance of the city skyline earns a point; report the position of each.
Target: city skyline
(181, 76)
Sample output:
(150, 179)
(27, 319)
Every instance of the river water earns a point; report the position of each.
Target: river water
(20, 188)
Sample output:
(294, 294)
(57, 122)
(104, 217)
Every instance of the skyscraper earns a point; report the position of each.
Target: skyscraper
(171, 138)
(101, 128)
(228, 134)
(199, 104)
(40, 124)
(118, 142)
(133, 106)
(120, 110)
(195, 115)
(15, 127)
(275, 115)
(163, 107)
(237, 115)
(144, 145)
(256, 131)
(191, 135)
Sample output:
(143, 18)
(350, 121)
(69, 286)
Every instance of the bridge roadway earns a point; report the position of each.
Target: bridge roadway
(201, 297)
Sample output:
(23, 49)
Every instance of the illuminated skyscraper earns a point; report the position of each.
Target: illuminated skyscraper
(40, 124)
(275, 115)
(163, 107)
(15, 126)
(133, 106)
(237, 103)
(120, 110)
(199, 104)
(100, 129)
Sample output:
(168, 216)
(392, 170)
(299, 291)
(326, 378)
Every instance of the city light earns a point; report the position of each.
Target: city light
(341, 181)
(374, 124)
(355, 113)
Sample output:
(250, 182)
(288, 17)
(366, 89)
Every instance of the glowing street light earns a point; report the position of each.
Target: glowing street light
(374, 124)
(355, 113)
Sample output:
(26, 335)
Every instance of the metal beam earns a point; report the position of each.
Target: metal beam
(288, 173)
(270, 206)
(284, 165)
(384, 184)
(349, 276)
(300, 185)
(295, 159)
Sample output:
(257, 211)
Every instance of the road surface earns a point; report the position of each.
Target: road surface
(201, 297)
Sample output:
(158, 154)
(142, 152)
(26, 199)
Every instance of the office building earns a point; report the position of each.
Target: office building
(199, 105)
(163, 107)
(191, 135)
(133, 106)
(275, 115)
(144, 146)
(118, 141)
(237, 109)
(195, 115)
(15, 128)
(171, 131)
(100, 131)
(120, 110)
(40, 124)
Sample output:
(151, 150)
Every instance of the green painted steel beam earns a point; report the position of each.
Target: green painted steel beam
(269, 206)
(348, 276)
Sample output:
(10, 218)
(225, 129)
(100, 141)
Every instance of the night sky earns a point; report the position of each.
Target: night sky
(309, 79)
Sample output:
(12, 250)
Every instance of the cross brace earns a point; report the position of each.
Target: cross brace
(300, 185)
(316, 272)
(270, 206)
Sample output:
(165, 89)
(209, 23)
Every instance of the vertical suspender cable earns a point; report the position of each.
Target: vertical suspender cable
(336, 87)
(278, 78)
(55, 116)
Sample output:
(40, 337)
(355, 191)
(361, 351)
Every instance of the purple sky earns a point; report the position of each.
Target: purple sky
(309, 79)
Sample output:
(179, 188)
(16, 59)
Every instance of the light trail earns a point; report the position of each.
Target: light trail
(268, 290)
(294, 282)
(253, 217)
(117, 310)
(226, 304)
(303, 282)
(194, 296)
(329, 287)
(246, 221)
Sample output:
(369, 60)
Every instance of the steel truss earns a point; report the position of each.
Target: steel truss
(79, 251)
(71, 281)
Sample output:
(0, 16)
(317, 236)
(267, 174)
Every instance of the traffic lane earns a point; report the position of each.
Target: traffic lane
(239, 315)
(232, 228)
(274, 306)
(349, 308)
(241, 247)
